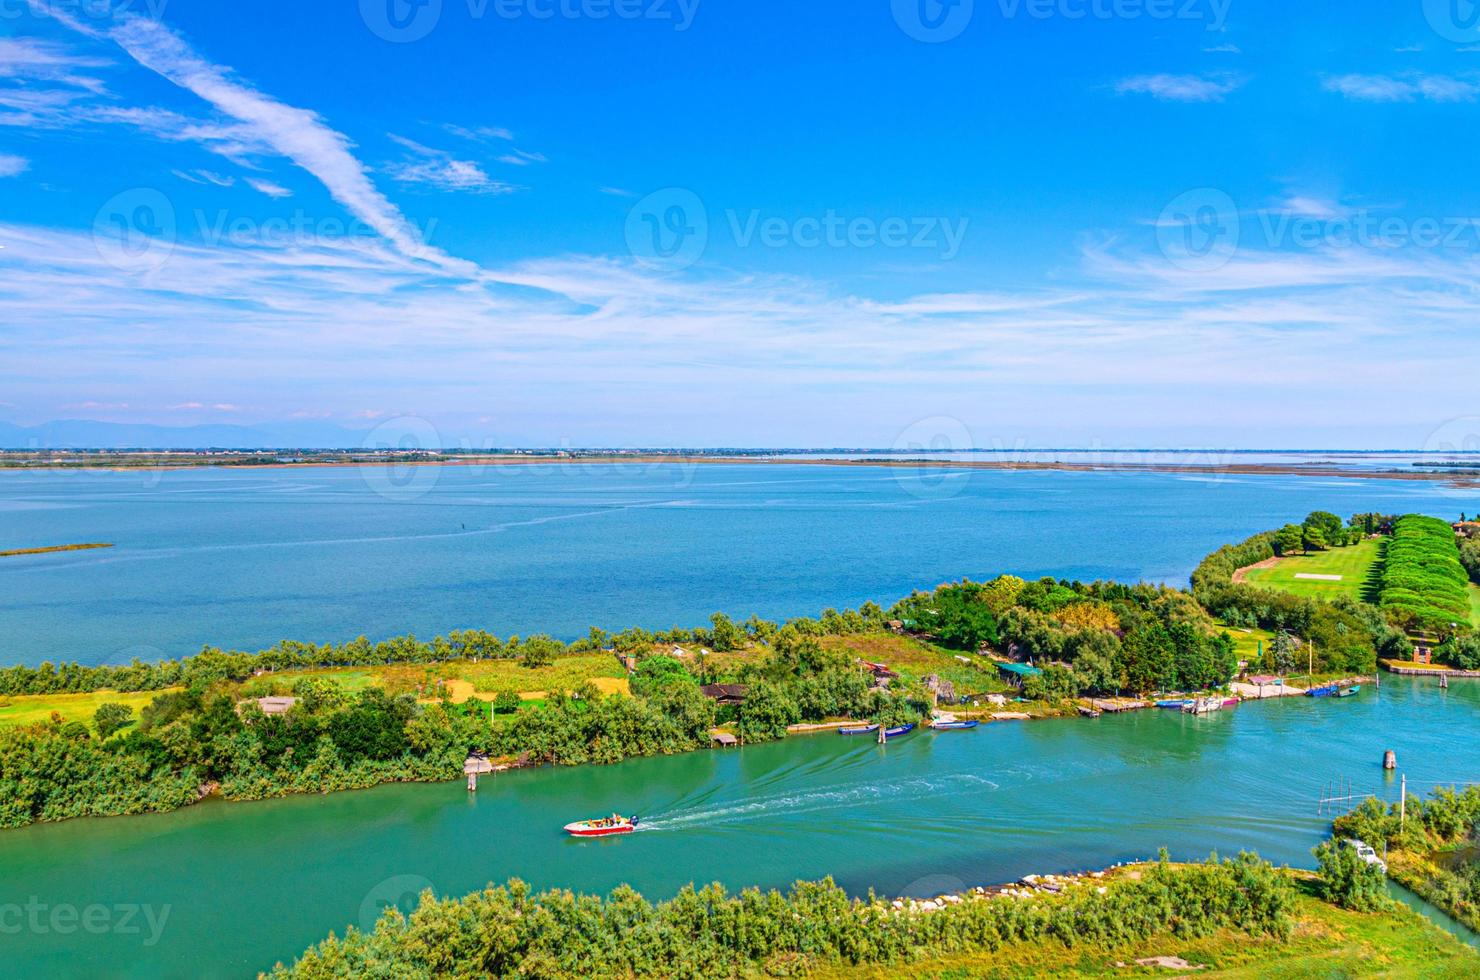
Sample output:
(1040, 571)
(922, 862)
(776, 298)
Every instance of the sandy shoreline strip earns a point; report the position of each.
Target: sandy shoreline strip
(1195, 469)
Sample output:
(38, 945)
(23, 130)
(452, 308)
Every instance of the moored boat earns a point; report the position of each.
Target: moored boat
(954, 726)
(1202, 706)
(602, 827)
(1347, 692)
(1230, 702)
(1324, 691)
(1174, 703)
(858, 730)
(899, 730)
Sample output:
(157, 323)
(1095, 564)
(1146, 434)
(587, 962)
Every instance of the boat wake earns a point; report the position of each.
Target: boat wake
(814, 801)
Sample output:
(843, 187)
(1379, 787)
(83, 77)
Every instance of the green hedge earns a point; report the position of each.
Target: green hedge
(1424, 586)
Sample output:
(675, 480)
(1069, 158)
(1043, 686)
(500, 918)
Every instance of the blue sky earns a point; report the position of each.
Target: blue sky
(1137, 223)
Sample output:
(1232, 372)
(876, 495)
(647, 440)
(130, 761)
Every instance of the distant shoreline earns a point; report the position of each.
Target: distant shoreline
(1458, 480)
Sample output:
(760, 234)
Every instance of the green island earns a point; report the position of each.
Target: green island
(299, 717)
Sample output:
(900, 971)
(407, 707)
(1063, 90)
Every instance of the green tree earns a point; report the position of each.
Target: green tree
(506, 702)
(767, 711)
(1289, 539)
(725, 635)
(1313, 539)
(112, 716)
(1347, 880)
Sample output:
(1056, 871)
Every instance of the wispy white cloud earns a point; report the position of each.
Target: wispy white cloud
(268, 187)
(1408, 87)
(11, 165)
(617, 192)
(204, 177)
(259, 123)
(1223, 49)
(522, 158)
(1180, 88)
(440, 170)
(479, 133)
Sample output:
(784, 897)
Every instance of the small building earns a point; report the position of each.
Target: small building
(276, 704)
(723, 694)
(724, 739)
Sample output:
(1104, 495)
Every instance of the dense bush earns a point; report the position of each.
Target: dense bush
(1347, 880)
(707, 932)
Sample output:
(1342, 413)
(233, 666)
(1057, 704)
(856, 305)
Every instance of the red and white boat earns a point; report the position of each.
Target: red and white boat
(602, 827)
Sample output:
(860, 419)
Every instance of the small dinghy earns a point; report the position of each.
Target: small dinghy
(858, 730)
(1176, 704)
(602, 827)
(954, 726)
(899, 730)
(1324, 691)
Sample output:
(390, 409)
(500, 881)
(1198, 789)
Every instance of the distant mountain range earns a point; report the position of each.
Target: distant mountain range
(84, 434)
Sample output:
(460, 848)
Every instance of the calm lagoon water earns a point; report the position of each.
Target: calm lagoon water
(239, 886)
(243, 558)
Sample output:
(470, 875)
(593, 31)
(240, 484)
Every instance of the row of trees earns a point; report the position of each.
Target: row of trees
(707, 932)
(1320, 530)
(1424, 586)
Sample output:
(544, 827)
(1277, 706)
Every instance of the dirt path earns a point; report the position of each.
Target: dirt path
(1238, 575)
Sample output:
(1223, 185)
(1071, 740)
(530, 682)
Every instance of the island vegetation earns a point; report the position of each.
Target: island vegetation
(1239, 914)
(1430, 846)
(162, 735)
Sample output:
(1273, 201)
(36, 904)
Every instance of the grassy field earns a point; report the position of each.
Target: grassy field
(915, 658)
(1357, 565)
(1247, 639)
(30, 708)
(1328, 942)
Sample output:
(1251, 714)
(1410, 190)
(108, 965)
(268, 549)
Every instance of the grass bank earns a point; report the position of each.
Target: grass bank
(1326, 942)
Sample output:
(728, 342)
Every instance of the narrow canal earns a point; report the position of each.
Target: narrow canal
(230, 888)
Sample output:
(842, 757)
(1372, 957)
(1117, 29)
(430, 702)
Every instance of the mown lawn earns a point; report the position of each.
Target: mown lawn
(1246, 641)
(29, 708)
(1327, 942)
(1357, 565)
